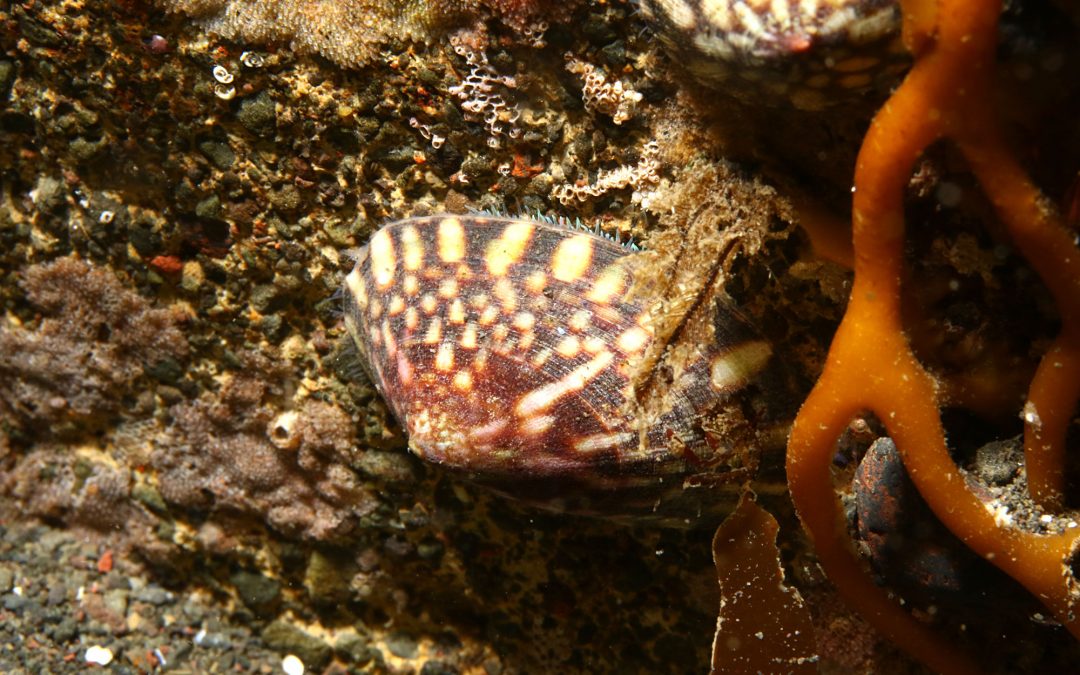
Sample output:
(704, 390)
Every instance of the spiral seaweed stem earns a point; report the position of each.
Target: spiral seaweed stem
(947, 94)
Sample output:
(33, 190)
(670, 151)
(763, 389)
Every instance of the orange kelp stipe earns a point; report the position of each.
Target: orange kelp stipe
(871, 366)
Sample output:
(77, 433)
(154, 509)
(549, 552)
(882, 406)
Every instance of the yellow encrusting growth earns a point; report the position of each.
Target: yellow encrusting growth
(383, 260)
(451, 240)
(507, 249)
(413, 249)
(572, 258)
(735, 368)
(444, 357)
(609, 285)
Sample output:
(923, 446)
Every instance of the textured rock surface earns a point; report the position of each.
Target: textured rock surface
(176, 212)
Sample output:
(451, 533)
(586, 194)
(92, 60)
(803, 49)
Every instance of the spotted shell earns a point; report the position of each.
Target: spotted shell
(515, 351)
(810, 53)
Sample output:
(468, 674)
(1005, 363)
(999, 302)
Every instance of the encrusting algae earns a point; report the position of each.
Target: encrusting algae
(353, 33)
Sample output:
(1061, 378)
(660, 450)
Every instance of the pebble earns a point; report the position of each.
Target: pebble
(402, 644)
(101, 656)
(255, 590)
(155, 595)
(292, 665)
(286, 637)
(258, 115)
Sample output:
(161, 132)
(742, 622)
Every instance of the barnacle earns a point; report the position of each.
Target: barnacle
(947, 95)
(481, 98)
(643, 177)
(614, 99)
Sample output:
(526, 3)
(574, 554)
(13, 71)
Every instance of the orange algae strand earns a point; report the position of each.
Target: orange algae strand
(764, 627)
(830, 234)
(947, 94)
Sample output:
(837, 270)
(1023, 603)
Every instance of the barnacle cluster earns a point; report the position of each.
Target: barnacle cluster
(871, 365)
(643, 177)
(480, 96)
(600, 94)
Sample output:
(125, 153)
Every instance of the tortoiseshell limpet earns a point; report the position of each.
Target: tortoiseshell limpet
(522, 354)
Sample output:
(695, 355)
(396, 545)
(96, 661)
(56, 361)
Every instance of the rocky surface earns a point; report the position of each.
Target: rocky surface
(196, 475)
